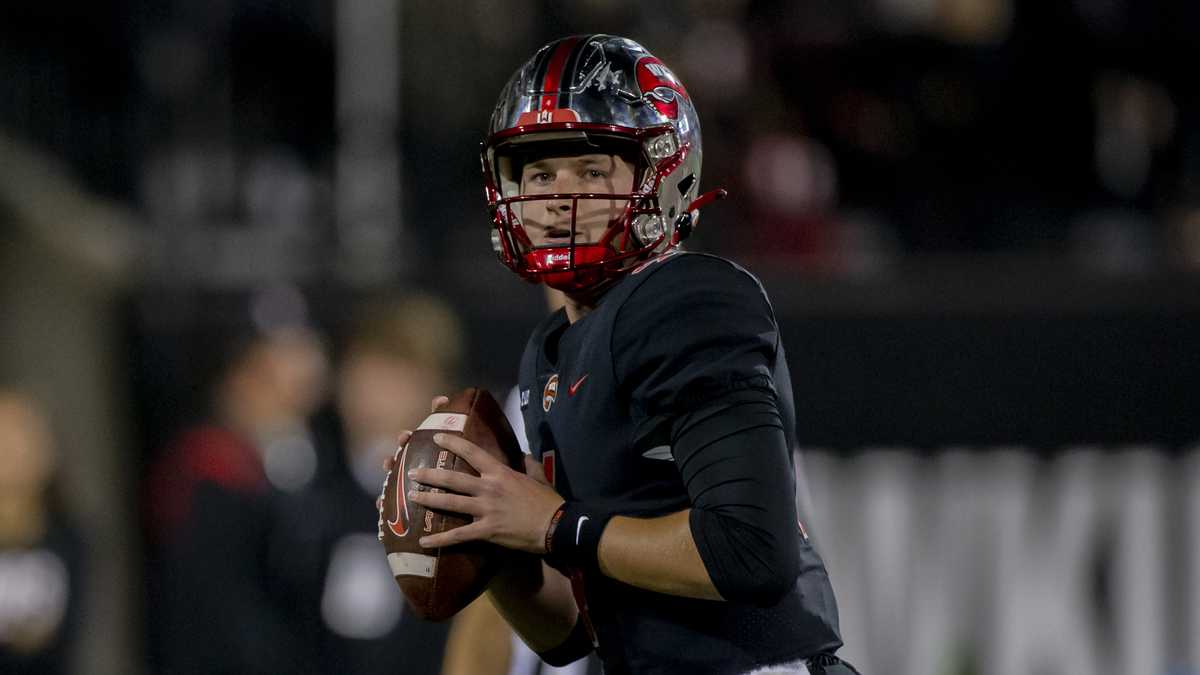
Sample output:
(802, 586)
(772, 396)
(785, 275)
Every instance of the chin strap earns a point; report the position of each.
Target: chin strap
(686, 221)
(707, 198)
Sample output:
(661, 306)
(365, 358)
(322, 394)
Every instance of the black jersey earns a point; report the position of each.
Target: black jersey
(598, 399)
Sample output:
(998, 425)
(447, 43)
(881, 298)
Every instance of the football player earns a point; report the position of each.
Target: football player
(657, 403)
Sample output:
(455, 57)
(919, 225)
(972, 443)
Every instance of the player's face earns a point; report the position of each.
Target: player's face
(548, 222)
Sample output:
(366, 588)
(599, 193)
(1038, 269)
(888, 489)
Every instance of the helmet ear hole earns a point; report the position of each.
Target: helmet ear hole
(686, 183)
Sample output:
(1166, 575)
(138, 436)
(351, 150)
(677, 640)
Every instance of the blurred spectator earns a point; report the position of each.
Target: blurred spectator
(40, 553)
(398, 355)
(230, 567)
(792, 183)
(792, 212)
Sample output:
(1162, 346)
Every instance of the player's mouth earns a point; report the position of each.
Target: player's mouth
(556, 235)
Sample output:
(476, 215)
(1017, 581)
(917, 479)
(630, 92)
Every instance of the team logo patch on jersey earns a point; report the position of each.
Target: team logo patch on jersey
(550, 392)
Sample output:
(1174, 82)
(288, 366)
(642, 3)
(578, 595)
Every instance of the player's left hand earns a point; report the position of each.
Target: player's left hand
(510, 508)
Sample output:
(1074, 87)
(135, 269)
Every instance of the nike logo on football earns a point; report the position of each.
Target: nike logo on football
(575, 387)
(399, 524)
(579, 528)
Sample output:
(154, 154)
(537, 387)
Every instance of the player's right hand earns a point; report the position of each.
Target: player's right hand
(508, 508)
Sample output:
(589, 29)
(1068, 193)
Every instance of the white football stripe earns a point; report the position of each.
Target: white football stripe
(412, 565)
(444, 422)
(662, 452)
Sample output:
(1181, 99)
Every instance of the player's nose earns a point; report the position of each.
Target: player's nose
(558, 204)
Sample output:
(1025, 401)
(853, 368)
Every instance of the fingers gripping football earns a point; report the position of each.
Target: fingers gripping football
(401, 440)
(510, 508)
(439, 581)
(438, 402)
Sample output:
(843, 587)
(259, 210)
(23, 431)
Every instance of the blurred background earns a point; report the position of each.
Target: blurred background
(242, 241)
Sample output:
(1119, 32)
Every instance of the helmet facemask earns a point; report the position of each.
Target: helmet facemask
(577, 240)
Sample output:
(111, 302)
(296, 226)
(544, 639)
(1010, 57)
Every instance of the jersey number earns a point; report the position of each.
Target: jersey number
(548, 466)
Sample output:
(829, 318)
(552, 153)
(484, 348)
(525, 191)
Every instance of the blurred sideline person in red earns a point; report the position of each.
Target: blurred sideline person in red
(227, 570)
(41, 554)
(665, 535)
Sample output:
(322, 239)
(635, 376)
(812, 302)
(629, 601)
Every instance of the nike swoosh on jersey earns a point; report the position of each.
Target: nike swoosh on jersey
(662, 452)
(575, 387)
(579, 528)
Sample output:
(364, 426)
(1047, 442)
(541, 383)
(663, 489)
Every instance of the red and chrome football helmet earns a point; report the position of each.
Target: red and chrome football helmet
(587, 95)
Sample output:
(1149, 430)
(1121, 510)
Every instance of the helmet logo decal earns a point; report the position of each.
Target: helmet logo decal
(660, 86)
(550, 393)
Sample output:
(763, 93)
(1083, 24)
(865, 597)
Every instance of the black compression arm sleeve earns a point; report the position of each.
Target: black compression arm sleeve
(737, 467)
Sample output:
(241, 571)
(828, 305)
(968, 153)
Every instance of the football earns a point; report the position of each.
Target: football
(440, 582)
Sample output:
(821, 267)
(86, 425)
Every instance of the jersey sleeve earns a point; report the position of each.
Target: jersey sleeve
(696, 352)
(696, 329)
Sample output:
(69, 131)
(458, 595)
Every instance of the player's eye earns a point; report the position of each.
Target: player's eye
(596, 174)
(540, 178)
